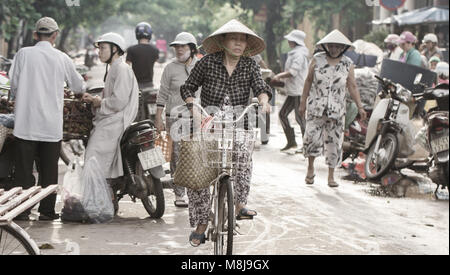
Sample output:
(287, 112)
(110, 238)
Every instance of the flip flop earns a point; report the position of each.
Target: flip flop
(181, 203)
(196, 236)
(244, 215)
(333, 184)
(310, 180)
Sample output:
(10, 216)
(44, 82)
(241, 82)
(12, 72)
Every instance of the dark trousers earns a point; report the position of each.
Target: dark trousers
(46, 155)
(292, 103)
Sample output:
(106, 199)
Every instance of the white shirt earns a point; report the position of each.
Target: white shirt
(297, 65)
(37, 82)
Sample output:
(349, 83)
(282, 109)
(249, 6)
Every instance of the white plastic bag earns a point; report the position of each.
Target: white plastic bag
(72, 192)
(97, 197)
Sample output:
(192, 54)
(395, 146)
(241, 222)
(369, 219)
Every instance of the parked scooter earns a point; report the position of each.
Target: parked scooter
(355, 137)
(436, 134)
(389, 132)
(142, 164)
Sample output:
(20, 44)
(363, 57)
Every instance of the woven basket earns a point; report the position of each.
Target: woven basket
(4, 132)
(166, 144)
(190, 172)
(77, 120)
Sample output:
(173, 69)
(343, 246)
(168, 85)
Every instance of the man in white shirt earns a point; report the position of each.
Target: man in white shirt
(37, 75)
(296, 70)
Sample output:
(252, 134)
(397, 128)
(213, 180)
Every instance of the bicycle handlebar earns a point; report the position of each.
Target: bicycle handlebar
(246, 110)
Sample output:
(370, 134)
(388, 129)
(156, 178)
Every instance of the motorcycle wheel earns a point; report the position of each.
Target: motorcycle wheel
(388, 150)
(154, 204)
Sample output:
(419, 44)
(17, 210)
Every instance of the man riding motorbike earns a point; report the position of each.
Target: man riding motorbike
(142, 57)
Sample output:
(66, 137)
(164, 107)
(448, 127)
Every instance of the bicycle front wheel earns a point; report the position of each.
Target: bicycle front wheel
(15, 241)
(223, 244)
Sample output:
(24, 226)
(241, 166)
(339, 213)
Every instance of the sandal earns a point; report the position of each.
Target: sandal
(181, 203)
(244, 215)
(333, 184)
(310, 180)
(196, 236)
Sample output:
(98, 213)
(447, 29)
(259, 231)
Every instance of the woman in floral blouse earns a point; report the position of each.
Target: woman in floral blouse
(330, 75)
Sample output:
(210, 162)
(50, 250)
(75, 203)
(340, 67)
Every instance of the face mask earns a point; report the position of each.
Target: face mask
(184, 57)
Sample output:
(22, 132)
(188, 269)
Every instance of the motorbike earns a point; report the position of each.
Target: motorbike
(389, 130)
(436, 135)
(354, 139)
(143, 169)
(147, 104)
(90, 57)
(5, 64)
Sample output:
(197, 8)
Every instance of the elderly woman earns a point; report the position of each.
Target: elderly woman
(174, 75)
(226, 72)
(330, 74)
(115, 110)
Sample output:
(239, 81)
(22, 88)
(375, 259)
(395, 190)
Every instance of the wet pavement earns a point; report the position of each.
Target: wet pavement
(293, 218)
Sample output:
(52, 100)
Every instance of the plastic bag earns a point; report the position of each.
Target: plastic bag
(71, 194)
(97, 196)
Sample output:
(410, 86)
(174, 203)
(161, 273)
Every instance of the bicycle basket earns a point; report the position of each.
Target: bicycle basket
(190, 172)
(227, 148)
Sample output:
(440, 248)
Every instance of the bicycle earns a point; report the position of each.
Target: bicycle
(221, 148)
(14, 240)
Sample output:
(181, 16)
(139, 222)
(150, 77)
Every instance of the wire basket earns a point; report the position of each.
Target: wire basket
(165, 143)
(227, 148)
(77, 120)
(4, 132)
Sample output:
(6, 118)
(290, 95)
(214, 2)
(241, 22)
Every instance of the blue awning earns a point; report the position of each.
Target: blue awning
(428, 15)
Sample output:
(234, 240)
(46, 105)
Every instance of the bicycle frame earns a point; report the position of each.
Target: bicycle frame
(225, 145)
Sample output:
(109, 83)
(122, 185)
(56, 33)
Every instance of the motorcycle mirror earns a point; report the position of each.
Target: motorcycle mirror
(418, 79)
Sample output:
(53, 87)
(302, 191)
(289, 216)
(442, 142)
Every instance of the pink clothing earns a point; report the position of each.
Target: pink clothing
(161, 45)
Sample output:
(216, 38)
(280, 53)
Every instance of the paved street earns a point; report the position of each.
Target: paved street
(293, 218)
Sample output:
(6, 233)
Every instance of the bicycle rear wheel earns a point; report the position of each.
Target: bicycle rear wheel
(223, 244)
(15, 241)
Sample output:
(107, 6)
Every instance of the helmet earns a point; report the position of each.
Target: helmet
(442, 69)
(184, 38)
(392, 39)
(431, 37)
(143, 30)
(112, 38)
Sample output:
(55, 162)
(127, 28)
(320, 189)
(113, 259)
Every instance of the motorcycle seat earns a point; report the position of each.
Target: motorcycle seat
(137, 126)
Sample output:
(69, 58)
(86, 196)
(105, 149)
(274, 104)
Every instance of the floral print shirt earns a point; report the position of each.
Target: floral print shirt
(327, 96)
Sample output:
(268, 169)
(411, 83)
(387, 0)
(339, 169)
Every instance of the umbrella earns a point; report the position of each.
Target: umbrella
(427, 15)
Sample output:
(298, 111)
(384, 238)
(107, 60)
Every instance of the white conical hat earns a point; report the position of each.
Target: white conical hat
(335, 37)
(255, 44)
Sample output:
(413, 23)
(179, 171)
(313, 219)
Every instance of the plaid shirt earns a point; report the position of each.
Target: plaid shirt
(210, 73)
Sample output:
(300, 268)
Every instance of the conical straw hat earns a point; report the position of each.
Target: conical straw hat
(335, 37)
(255, 44)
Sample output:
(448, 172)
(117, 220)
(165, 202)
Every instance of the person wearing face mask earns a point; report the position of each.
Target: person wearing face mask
(391, 45)
(115, 110)
(330, 75)
(174, 75)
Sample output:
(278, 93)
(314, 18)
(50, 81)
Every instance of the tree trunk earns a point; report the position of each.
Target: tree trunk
(64, 35)
(273, 17)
